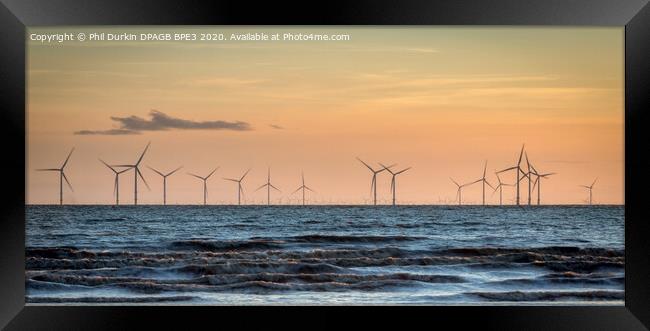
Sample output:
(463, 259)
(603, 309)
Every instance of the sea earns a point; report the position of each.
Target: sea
(324, 255)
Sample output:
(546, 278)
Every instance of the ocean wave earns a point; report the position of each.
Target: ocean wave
(260, 267)
(86, 263)
(320, 238)
(39, 299)
(549, 250)
(225, 279)
(580, 266)
(549, 295)
(211, 245)
(266, 286)
(560, 280)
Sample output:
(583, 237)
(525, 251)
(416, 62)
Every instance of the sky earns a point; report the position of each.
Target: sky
(442, 100)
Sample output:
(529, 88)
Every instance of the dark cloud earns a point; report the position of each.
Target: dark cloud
(276, 126)
(160, 121)
(113, 132)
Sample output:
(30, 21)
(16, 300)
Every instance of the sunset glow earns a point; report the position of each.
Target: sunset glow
(441, 100)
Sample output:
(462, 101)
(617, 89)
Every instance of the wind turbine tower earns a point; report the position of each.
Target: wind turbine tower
(590, 188)
(164, 176)
(205, 184)
(62, 176)
(392, 181)
(268, 186)
(240, 189)
(116, 185)
(373, 183)
(136, 168)
(303, 187)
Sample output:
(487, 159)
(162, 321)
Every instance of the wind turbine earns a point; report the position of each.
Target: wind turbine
(268, 186)
(538, 181)
(240, 190)
(303, 187)
(136, 173)
(205, 184)
(484, 181)
(500, 188)
(459, 191)
(392, 181)
(590, 188)
(164, 176)
(519, 171)
(528, 173)
(116, 185)
(373, 184)
(61, 176)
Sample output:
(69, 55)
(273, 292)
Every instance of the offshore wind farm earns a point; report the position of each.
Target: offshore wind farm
(417, 166)
(530, 177)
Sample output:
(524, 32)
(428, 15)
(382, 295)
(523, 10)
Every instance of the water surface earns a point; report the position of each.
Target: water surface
(210, 255)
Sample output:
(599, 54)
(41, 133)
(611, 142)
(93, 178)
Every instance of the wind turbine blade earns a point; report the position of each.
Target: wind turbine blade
(277, 189)
(208, 176)
(67, 181)
(520, 154)
(490, 185)
(399, 172)
(484, 168)
(298, 189)
(522, 178)
(232, 180)
(142, 155)
(122, 171)
(392, 183)
(535, 182)
(67, 158)
(386, 168)
(498, 178)
(369, 167)
(592, 184)
(527, 162)
(123, 165)
(474, 182)
(171, 173)
(309, 189)
(199, 177)
(454, 182)
(51, 169)
(246, 173)
(158, 172)
(115, 186)
(142, 177)
(584, 186)
(261, 187)
(108, 166)
(494, 191)
(507, 169)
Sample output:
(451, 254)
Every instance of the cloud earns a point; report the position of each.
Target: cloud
(112, 132)
(276, 127)
(160, 122)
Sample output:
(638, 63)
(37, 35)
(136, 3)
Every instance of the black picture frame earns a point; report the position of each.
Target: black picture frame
(634, 15)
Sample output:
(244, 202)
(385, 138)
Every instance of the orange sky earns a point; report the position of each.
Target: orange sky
(442, 100)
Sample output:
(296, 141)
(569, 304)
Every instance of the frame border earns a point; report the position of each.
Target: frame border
(16, 15)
